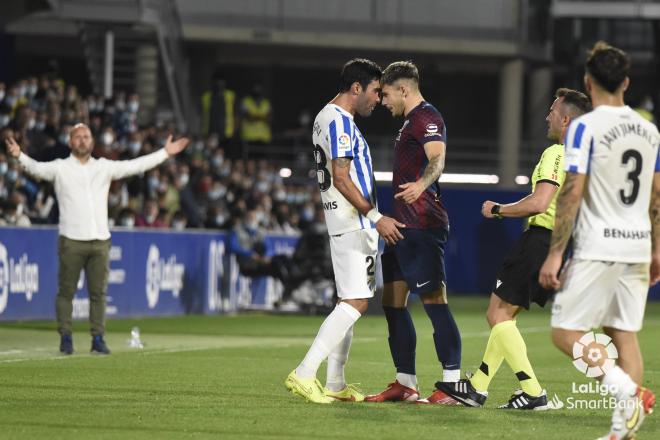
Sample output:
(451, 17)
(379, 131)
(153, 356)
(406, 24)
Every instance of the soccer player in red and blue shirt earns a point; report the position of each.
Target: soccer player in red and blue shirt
(416, 263)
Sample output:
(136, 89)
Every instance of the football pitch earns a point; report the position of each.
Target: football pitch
(222, 377)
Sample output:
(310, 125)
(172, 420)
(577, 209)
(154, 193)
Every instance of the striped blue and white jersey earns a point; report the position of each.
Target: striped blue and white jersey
(618, 150)
(335, 135)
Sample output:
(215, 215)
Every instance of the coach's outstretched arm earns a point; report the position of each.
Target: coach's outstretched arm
(568, 203)
(125, 168)
(435, 152)
(654, 213)
(387, 227)
(41, 170)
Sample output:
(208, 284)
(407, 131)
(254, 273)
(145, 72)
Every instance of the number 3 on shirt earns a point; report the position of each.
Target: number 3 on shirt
(633, 176)
(322, 173)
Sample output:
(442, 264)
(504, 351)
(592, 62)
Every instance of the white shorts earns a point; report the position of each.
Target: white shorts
(354, 263)
(602, 294)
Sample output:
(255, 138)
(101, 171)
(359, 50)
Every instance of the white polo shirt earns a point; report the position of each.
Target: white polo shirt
(82, 189)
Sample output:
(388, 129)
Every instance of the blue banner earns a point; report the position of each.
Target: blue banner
(161, 273)
(152, 273)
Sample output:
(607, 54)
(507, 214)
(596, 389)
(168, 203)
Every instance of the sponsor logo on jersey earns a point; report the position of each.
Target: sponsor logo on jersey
(431, 128)
(344, 142)
(327, 206)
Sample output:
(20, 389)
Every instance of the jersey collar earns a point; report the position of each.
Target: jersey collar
(341, 110)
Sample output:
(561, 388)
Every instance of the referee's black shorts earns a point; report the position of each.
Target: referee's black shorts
(518, 279)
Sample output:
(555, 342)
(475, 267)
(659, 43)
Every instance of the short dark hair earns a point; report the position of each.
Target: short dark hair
(608, 65)
(358, 70)
(577, 102)
(400, 70)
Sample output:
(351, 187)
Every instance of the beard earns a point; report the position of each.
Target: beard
(81, 152)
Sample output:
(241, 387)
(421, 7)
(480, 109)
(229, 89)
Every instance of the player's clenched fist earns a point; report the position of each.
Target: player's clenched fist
(487, 209)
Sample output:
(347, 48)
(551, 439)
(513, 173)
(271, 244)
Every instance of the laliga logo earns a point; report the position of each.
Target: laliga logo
(599, 350)
(17, 276)
(4, 278)
(162, 275)
(216, 272)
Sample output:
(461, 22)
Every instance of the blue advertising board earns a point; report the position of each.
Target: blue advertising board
(152, 273)
(162, 272)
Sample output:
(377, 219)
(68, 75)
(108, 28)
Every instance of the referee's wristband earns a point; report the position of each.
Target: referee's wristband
(495, 210)
(374, 216)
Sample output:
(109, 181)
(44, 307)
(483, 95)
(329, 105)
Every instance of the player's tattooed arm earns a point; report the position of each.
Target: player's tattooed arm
(434, 169)
(343, 162)
(435, 152)
(341, 168)
(568, 203)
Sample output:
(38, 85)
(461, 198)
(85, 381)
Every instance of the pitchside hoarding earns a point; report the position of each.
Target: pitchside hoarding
(152, 273)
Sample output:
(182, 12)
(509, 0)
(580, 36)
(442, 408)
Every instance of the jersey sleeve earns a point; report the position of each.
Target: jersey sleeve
(550, 167)
(341, 137)
(578, 148)
(429, 127)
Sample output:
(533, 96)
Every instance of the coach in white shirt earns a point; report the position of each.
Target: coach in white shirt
(81, 186)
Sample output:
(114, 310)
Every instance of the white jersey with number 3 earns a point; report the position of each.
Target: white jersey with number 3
(335, 135)
(618, 151)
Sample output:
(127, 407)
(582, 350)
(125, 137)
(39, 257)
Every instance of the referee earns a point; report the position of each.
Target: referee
(517, 282)
(81, 186)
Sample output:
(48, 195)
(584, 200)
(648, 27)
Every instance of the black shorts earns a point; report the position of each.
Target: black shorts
(518, 279)
(418, 259)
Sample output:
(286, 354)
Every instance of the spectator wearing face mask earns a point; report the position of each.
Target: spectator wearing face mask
(126, 218)
(179, 221)
(149, 217)
(126, 115)
(13, 215)
(254, 254)
(60, 149)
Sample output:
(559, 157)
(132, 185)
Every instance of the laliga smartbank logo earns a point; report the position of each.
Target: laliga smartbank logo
(594, 354)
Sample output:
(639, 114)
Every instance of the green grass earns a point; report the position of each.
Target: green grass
(222, 377)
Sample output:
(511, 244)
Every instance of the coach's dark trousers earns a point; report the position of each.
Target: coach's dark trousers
(94, 257)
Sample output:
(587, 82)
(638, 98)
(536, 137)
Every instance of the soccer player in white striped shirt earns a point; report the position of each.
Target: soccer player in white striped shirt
(347, 185)
(612, 177)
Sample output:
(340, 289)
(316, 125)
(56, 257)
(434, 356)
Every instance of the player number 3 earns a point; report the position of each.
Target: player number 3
(633, 176)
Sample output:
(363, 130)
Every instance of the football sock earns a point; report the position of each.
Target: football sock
(331, 333)
(446, 337)
(402, 339)
(491, 362)
(618, 380)
(407, 380)
(335, 380)
(451, 375)
(514, 351)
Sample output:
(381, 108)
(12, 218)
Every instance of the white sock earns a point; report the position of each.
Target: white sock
(451, 375)
(332, 331)
(335, 380)
(407, 380)
(618, 380)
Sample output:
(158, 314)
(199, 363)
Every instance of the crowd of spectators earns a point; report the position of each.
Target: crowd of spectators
(201, 188)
